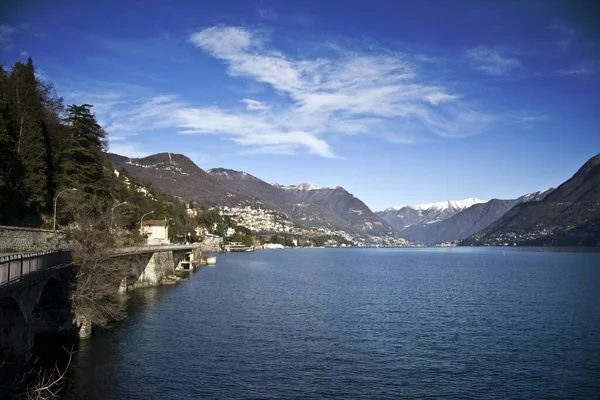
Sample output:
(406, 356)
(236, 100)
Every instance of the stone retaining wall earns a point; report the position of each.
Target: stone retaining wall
(211, 244)
(17, 239)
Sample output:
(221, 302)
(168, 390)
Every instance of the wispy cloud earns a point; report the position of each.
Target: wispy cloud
(524, 119)
(534, 118)
(585, 68)
(127, 149)
(267, 13)
(255, 105)
(562, 27)
(565, 34)
(377, 93)
(491, 61)
(10, 35)
(350, 92)
(7, 33)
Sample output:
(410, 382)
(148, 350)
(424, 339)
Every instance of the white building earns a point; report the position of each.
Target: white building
(273, 246)
(157, 231)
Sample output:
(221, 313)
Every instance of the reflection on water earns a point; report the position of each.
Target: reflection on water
(353, 323)
(98, 363)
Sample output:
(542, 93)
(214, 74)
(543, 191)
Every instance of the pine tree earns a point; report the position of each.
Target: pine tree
(11, 169)
(83, 159)
(32, 140)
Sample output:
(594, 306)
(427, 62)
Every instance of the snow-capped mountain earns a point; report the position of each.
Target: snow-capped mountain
(303, 186)
(420, 214)
(468, 221)
(441, 205)
(535, 196)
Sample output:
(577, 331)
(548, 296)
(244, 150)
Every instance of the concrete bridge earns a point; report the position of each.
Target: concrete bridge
(34, 287)
(30, 285)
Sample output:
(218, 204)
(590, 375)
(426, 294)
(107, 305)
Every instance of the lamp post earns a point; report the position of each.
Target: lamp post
(142, 221)
(112, 211)
(56, 200)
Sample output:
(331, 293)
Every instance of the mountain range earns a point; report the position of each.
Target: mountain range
(307, 205)
(177, 175)
(467, 221)
(334, 209)
(402, 217)
(569, 214)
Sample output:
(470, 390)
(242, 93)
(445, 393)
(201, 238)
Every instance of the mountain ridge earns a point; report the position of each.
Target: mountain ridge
(468, 221)
(569, 215)
(465, 203)
(421, 214)
(532, 218)
(177, 175)
(307, 204)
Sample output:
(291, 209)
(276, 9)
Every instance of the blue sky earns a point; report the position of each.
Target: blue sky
(399, 102)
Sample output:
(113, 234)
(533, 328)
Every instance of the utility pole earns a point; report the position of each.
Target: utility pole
(56, 200)
(142, 221)
(112, 211)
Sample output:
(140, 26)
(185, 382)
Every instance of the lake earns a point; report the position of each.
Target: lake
(481, 323)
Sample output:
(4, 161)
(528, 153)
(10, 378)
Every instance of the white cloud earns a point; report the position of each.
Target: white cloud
(525, 119)
(585, 68)
(534, 118)
(491, 61)
(24, 53)
(255, 105)
(40, 74)
(381, 94)
(6, 36)
(349, 90)
(131, 150)
(436, 98)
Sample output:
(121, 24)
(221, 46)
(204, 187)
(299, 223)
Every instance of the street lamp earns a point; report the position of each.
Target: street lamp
(112, 211)
(56, 200)
(142, 221)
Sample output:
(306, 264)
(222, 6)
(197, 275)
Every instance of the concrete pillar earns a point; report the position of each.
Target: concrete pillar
(123, 286)
(196, 256)
(160, 265)
(85, 327)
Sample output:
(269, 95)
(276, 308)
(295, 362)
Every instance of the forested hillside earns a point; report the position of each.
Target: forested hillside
(47, 147)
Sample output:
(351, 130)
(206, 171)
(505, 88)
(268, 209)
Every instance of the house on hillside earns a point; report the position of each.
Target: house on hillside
(156, 231)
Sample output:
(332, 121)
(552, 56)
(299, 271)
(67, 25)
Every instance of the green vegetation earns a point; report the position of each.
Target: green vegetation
(46, 148)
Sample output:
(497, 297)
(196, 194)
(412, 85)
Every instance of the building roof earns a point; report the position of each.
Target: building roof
(155, 222)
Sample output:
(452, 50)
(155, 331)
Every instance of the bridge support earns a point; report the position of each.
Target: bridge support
(15, 337)
(38, 308)
(161, 265)
(34, 290)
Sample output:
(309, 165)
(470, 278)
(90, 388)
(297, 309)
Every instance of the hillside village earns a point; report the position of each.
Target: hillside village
(267, 224)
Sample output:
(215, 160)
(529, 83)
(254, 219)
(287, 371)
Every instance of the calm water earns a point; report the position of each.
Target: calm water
(354, 323)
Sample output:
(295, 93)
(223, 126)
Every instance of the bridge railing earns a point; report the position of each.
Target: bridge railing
(15, 267)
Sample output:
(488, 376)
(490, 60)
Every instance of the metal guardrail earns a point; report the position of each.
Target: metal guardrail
(14, 267)
(151, 248)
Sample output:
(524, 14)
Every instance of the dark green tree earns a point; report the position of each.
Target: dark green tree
(33, 146)
(11, 170)
(83, 159)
